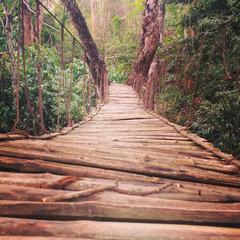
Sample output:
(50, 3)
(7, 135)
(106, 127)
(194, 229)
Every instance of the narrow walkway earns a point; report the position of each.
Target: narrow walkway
(124, 175)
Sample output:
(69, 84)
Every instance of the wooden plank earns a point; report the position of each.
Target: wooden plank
(113, 230)
(123, 165)
(166, 211)
(39, 166)
(38, 238)
(158, 170)
(109, 192)
(176, 190)
(98, 150)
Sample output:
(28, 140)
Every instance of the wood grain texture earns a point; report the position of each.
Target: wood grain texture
(125, 165)
(114, 230)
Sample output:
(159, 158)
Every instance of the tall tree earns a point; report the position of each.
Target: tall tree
(39, 15)
(151, 84)
(153, 19)
(15, 71)
(27, 23)
(38, 26)
(32, 28)
(95, 62)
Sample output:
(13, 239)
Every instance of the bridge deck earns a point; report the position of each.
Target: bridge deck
(124, 175)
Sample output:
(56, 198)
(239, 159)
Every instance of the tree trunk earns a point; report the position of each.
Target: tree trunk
(153, 18)
(15, 71)
(39, 71)
(27, 22)
(39, 23)
(153, 77)
(95, 62)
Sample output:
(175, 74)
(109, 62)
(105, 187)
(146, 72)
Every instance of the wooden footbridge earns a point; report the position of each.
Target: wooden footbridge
(126, 174)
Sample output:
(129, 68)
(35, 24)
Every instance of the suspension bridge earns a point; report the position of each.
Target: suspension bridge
(122, 173)
(126, 174)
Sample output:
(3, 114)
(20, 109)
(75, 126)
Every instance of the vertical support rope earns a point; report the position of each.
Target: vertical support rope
(84, 92)
(70, 85)
(61, 82)
(62, 55)
(89, 93)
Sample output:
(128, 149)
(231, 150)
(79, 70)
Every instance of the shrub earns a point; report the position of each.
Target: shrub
(220, 121)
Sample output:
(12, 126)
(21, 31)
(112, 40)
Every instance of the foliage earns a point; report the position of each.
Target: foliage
(115, 26)
(219, 120)
(54, 98)
(173, 104)
(117, 77)
(6, 109)
(173, 29)
(119, 61)
(137, 7)
(62, 83)
(202, 81)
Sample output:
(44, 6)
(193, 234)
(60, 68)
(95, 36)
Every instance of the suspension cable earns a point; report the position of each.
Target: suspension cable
(60, 23)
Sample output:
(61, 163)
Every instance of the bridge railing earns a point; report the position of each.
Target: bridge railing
(45, 84)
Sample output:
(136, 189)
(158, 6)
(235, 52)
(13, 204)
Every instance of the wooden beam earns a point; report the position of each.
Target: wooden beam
(151, 210)
(112, 230)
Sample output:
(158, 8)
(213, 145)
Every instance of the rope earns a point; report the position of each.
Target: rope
(70, 85)
(84, 92)
(61, 23)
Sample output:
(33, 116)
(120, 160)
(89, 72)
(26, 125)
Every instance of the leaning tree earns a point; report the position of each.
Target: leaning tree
(95, 62)
(152, 27)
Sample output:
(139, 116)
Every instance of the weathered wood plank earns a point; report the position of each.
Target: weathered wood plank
(123, 165)
(176, 190)
(108, 192)
(39, 238)
(165, 211)
(113, 230)
(158, 170)
(183, 157)
(39, 166)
